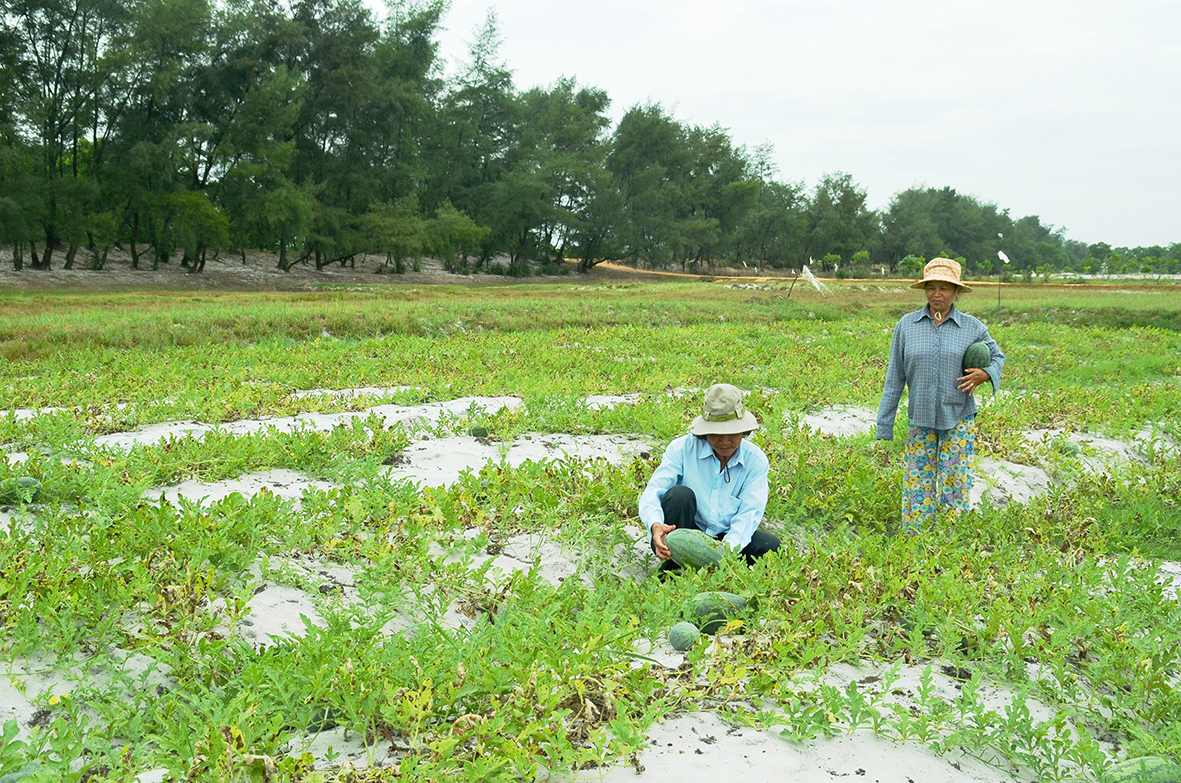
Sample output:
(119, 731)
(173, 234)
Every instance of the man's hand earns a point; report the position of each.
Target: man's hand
(659, 531)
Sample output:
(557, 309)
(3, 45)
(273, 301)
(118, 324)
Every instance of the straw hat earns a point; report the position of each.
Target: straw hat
(943, 270)
(723, 413)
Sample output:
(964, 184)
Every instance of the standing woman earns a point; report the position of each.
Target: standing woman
(926, 355)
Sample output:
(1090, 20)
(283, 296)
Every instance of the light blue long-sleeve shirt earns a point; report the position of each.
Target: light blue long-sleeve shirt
(734, 507)
(928, 359)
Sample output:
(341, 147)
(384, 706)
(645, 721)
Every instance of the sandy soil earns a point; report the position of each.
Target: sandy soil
(691, 746)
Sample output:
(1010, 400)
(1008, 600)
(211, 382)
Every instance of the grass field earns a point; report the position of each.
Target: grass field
(131, 604)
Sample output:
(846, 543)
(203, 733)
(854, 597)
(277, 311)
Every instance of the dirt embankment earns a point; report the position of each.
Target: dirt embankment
(260, 272)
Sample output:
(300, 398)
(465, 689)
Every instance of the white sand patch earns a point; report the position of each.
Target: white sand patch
(410, 417)
(609, 401)
(1060, 438)
(1114, 449)
(870, 757)
(13, 518)
(842, 421)
(153, 434)
(286, 484)
(34, 691)
(904, 684)
(96, 412)
(345, 748)
(21, 686)
(436, 463)
(351, 394)
(597, 402)
(283, 608)
(24, 414)
(442, 461)
(20, 457)
(1170, 576)
(279, 610)
(417, 416)
(663, 654)
(293, 593)
(702, 746)
(520, 553)
(615, 449)
(152, 776)
(276, 612)
(1003, 482)
(685, 391)
(1153, 437)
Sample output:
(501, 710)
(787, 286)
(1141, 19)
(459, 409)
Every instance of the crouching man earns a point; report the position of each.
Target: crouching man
(712, 479)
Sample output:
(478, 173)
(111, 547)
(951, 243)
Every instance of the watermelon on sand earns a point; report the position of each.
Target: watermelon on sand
(1148, 769)
(24, 489)
(683, 635)
(715, 608)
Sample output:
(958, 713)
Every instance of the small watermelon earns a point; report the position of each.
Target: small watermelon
(713, 609)
(27, 771)
(1147, 769)
(683, 635)
(692, 548)
(977, 357)
(19, 490)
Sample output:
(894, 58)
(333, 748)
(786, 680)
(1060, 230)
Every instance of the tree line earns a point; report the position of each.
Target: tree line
(178, 128)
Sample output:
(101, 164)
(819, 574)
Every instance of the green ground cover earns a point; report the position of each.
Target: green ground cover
(1057, 600)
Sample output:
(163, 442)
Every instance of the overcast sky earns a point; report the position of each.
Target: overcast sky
(1065, 109)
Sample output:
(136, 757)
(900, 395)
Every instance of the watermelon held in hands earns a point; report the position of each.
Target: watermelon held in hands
(692, 548)
(683, 636)
(977, 357)
(1147, 769)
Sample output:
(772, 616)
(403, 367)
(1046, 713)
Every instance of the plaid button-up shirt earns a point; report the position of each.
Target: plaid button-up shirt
(928, 359)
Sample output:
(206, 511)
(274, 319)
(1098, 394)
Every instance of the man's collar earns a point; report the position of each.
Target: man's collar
(707, 451)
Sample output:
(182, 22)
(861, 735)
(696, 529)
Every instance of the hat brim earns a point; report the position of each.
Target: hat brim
(925, 280)
(747, 423)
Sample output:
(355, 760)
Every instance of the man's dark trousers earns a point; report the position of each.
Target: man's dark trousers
(680, 509)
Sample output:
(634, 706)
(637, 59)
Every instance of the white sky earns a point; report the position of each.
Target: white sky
(1065, 109)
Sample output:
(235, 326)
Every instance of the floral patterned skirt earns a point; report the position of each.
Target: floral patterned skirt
(937, 474)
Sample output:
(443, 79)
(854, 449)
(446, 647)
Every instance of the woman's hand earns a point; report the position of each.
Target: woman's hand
(659, 531)
(971, 379)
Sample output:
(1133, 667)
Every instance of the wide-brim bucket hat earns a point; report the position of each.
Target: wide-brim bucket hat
(942, 270)
(723, 413)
